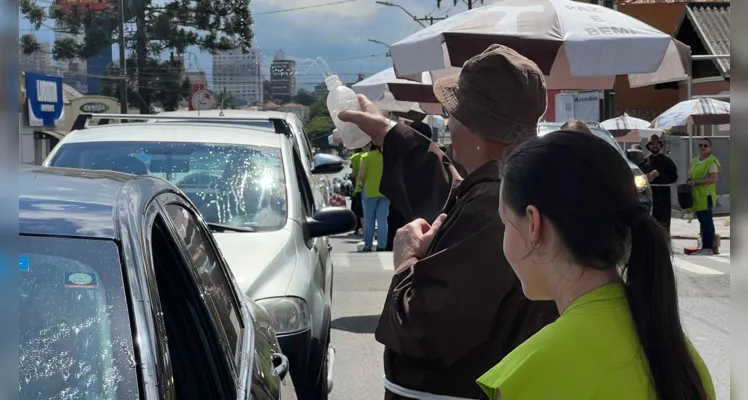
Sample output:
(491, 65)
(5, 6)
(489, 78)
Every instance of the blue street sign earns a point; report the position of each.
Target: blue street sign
(45, 96)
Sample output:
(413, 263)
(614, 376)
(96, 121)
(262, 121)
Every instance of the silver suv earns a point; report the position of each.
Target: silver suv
(251, 187)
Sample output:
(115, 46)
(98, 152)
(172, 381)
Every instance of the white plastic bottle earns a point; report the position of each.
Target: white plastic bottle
(342, 98)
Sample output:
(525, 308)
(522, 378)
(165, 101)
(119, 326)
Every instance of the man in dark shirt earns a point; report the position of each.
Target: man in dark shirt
(661, 173)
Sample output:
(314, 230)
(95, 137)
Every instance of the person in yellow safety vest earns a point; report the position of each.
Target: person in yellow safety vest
(356, 205)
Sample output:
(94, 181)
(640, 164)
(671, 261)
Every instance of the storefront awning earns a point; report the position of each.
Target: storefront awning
(47, 134)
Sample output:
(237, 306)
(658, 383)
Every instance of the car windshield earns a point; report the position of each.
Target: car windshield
(544, 129)
(235, 185)
(75, 334)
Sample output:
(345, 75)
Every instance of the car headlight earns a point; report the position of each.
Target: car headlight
(640, 180)
(287, 314)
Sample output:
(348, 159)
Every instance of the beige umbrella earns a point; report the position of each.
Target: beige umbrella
(576, 45)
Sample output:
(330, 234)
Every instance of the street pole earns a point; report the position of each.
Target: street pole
(689, 91)
(122, 60)
(430, 19)
(388, 4)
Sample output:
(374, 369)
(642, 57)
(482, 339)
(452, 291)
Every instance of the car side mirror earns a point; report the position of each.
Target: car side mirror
(327, 164)
(636, 156)
(330, 221)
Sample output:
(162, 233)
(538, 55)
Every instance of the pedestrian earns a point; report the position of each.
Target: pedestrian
(661, 173)
(454, 307)
(575, 125)
(356, 204)
(568, 230)
(376, 206)
(702, 177)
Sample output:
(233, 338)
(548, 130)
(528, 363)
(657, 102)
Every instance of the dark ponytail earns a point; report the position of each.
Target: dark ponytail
(653, 299)
(586, 189)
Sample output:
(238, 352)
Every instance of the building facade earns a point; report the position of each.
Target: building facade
(239, 73)
(282, 77)
(320, 91)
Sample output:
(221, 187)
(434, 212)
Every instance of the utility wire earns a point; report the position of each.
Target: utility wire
(302, 8)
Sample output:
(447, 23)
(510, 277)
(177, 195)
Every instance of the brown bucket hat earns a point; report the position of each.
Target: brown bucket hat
(499, 94)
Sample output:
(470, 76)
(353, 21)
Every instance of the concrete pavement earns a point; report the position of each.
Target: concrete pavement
(689, 229)
(362, 280)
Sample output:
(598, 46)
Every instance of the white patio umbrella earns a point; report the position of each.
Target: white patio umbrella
(576, 45)
(703, 111)
(382, 87)
(636, 135)
(622, 125)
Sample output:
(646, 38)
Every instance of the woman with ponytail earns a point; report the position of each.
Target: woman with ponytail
(574, 234)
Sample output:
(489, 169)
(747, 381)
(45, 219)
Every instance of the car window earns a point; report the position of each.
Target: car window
(234, 185)
(602, 134)
(269, 125)
(75, 333)
(305, 190)
(197, 350)
(206, 262)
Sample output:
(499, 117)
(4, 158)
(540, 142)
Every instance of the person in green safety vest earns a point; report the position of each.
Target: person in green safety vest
(702, 176)
(356, 204)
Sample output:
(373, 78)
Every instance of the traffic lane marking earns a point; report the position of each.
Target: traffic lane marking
(694, 268)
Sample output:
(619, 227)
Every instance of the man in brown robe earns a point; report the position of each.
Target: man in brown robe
(457, 311)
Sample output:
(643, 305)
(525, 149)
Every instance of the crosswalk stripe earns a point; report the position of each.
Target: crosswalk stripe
(724, 260)
(387, 261)
(695, 268)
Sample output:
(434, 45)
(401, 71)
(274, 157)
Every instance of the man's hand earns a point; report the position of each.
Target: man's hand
(412, 241)
(369, 119)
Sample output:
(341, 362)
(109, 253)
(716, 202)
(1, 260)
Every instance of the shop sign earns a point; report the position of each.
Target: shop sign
(45, 99)
(94, 108)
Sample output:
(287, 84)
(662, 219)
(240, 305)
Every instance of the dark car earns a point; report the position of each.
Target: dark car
(125, 295)
(632, 157)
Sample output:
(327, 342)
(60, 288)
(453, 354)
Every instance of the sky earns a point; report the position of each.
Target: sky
(337, 33)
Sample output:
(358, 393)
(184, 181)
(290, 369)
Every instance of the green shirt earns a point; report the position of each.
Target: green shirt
(590, 352)
(700, 169)
(373, 166)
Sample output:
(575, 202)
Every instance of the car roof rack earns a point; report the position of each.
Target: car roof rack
(279, 124)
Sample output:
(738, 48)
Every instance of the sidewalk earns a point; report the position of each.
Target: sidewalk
(683, 229)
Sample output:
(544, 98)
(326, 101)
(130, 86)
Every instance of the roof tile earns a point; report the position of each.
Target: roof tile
(712, 22)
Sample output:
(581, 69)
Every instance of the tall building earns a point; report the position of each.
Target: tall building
(239, 73)
(282, 77)
(39, 61)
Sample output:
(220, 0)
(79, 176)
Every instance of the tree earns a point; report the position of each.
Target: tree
(175, 25)
(167, 87)
(228, 99)
(320, 122)
(303, 97)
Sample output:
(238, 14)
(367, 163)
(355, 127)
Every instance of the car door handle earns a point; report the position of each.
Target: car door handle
(280, 364)
(329, 247)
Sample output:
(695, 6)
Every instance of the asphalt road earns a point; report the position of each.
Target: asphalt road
(361, 282)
